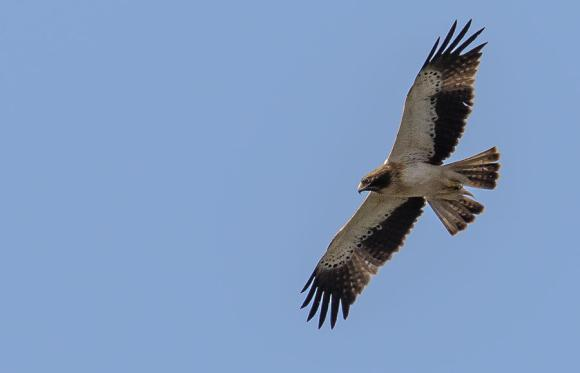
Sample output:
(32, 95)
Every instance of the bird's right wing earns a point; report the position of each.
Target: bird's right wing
(367, 241)
(439, 101)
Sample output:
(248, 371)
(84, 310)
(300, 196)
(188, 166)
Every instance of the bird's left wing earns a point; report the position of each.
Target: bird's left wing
(367, 241)
(439, 101)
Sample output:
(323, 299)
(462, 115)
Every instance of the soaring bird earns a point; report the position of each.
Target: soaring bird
(435, 113)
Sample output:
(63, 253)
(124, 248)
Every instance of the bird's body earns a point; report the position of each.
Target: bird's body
(418, 179)
(434, 117)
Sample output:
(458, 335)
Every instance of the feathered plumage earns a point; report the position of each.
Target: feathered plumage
(435, 113)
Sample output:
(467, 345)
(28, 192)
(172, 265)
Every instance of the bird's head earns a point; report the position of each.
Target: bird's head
(377, 180)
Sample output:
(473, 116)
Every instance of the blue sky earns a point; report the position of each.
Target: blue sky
(172, 172)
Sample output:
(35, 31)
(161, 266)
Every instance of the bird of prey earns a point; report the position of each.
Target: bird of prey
(435, 113)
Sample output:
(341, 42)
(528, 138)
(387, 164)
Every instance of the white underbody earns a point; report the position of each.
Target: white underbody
(420, 179)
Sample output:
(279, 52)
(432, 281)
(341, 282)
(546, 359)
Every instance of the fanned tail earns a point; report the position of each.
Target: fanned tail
(456, 214)
(480, 170)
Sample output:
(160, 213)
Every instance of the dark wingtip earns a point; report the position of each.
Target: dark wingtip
(324, 309)
(467, 25)
(345, 309)
(446, 40)
(468, 41)
(315, 304)
(334, 310)
(309, 297)
(308, 282)
(431, 53)
(477, 49)
(452, 48)
(458, 38)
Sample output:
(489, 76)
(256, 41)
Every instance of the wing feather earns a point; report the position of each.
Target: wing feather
(439, 102)
(365, 243)
(446, 41)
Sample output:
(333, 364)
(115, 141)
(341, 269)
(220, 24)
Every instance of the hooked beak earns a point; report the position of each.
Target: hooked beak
(361, 188)
(367, 188)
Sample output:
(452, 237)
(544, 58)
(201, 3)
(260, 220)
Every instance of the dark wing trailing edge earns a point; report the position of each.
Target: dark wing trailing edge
(356, 253)
(454, 101)
(440, 100)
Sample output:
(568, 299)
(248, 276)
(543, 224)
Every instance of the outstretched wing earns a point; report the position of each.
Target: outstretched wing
(439, 101)
(367, 241)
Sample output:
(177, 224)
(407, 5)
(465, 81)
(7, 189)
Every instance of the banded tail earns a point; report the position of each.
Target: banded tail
(478, 171)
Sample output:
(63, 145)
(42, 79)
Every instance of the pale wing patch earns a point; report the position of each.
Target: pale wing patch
(374, 210)
(439, 101)
(415, 137)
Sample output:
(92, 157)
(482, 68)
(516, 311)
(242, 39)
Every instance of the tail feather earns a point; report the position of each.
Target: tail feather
(480, 170)
(487, 156)
(461, 211)
(450, 220)
(456, 214)
(473, 206)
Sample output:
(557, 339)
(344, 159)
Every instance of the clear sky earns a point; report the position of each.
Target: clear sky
(173, 170)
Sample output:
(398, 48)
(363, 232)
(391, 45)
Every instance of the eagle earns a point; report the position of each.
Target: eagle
(435, 113)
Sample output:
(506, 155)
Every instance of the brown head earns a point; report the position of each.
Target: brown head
(377, 180)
